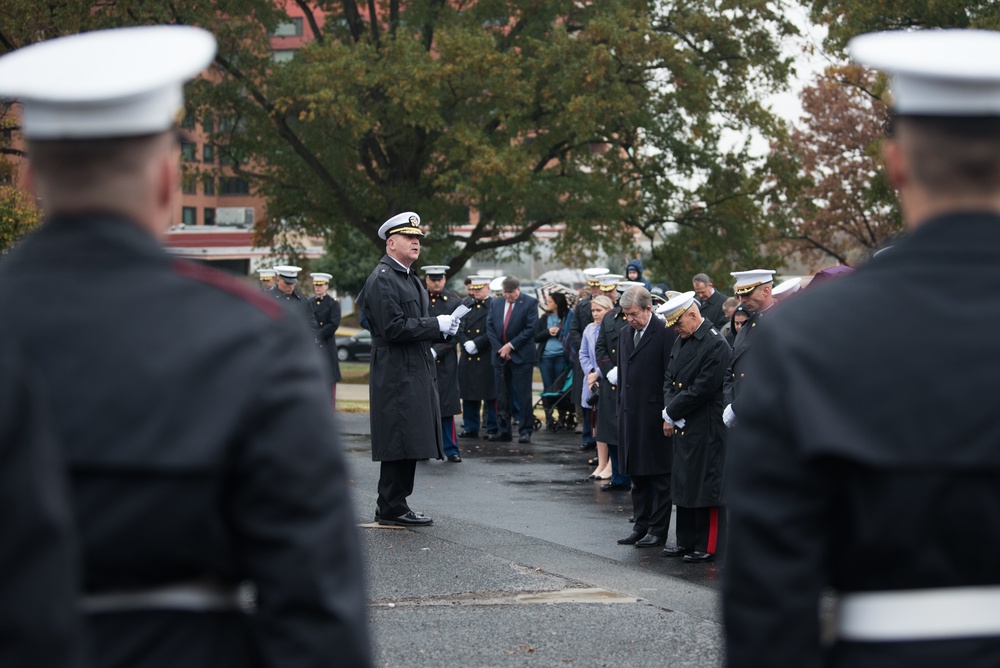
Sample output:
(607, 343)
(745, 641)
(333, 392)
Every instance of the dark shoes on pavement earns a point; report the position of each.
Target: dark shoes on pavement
(698, 557)
(615, 487)
(524, 438)
(407, 519)
(676, 551)
(468, 434)
(649, 540)
(501, 438)
(632, 538)
(454, 458)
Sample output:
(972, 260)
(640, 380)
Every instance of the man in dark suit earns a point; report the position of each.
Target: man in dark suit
(326, 319)
(645, 452)
(710, 300)
(511, 328)
(865, 462)
(442, 301)
(476, 381)
(692, 389)
(191, 409)
(753, 288)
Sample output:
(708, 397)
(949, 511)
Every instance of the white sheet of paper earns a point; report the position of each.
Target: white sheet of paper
(460, 311)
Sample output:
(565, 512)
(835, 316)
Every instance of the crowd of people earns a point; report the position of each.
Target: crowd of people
(850, 461)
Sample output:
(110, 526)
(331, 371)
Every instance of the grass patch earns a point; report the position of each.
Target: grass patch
(355, 373)
(352, 406)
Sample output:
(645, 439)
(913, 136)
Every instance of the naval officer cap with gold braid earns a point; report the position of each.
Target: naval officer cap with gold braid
(748, 281)
(407, 223)
(675, 308)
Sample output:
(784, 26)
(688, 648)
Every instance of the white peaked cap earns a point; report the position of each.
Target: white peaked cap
(124, 82)
(936, 72)
(785, 288)
(675, 307)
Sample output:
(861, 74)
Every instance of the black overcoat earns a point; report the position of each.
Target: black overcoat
(606, 351)
(405, 415)
(326, 315)
(866, 461)
(692, 389)
(446, 362)
(736, 374)
(582, 317)
(644, 450)
(476, 381)
(711, 309)
(201, 446)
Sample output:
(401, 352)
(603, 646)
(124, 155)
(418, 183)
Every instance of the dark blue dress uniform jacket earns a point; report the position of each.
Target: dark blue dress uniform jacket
(201, 447)
(405, 416)
(446, 362)
(326, 319)
(476, 381)
(693, 390)
(866, 461)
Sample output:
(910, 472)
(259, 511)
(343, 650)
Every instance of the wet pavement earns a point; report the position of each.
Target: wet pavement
(522, 565)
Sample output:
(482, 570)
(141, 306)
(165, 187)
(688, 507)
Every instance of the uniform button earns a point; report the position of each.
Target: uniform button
(477, 331)
(680, 385)
(742, 375)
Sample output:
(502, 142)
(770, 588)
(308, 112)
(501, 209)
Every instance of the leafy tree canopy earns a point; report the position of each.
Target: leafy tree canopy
(601, 117)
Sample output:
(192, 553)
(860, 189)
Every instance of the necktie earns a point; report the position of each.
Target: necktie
(635, 338)
(506, 319)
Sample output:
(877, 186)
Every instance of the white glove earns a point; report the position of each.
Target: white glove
(471, 348)
(455, 322)
(728, 416)
(678, 423)
(613, 376)
(445, 323)
(434, 353)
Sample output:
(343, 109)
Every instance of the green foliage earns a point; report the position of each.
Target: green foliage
(602, 118)
(848, 18)
(350, 258)
(18, 216)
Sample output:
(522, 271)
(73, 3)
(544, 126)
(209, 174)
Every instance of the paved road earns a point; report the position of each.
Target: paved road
(521, 567)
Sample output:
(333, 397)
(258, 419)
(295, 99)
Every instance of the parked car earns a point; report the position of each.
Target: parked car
(357, 347)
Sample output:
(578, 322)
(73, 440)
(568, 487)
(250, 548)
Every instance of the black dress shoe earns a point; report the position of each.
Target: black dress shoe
(652, 541)
(615, 487)
(698, 557)
(524, 438)
(499, 438)
(631, 520)
(490, 433)
(588, 446)
(468, 434)
(631, 539)
(455, 458)
(677, 551)
(407, 519)
(592, 461)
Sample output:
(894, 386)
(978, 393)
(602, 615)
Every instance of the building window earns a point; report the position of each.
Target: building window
(189, 215)
(290, 28)
(189, 184)
(208, 153)
(208, 184)
(209, 215)
(188, 121)
(283, 55)
(233, 185)
(189, 151)
(208, 124)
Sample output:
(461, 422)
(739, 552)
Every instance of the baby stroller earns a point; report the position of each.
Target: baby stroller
(557, 398)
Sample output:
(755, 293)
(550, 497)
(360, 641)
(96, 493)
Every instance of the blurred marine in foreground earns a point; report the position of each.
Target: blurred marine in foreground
(869, 463)
(192, 410)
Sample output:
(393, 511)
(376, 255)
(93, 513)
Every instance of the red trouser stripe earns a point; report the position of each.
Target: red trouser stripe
(713, 529)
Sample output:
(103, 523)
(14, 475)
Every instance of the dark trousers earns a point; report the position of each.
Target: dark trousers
(514, 385)
(651, 504)
(617, 477)
(395, 484)
(701, 529)
(471, 411)
(449, 435)
(587, 419)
